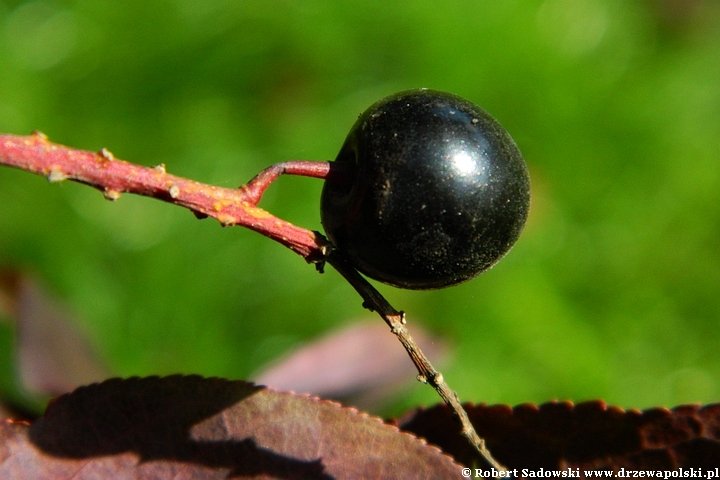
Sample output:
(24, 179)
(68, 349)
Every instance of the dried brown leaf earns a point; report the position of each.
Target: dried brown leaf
(590, 435)
(191, 427)
(53, 355)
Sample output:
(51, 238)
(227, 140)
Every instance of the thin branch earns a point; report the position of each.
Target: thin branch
(101, 170)
(374, 301)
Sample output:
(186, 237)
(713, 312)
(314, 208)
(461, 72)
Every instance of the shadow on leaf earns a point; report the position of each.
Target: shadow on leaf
(161, 419)
(193, 427)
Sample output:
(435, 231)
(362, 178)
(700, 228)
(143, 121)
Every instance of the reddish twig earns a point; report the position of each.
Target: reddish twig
(101, 170)
(36, 154)
(335, 172)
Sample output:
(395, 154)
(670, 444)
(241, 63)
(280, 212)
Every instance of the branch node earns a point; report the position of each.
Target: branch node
(421, 378)
(225, 220)
(174, 191)
(106, 155)
(40, 135)
(324, 247)
(56, 175)
(111, 195)
(160, 168)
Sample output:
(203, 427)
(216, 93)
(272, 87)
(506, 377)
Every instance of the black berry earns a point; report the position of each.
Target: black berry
(439, 191)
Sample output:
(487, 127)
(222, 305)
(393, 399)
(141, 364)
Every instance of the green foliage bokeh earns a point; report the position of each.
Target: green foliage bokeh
(611, 292)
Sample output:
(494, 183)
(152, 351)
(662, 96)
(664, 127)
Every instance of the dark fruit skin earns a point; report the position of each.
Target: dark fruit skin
(439, 191)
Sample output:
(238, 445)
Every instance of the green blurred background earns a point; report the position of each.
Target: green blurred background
(611, 292)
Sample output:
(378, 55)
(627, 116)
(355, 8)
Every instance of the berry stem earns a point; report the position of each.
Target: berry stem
(338, 172)
(374, 301)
